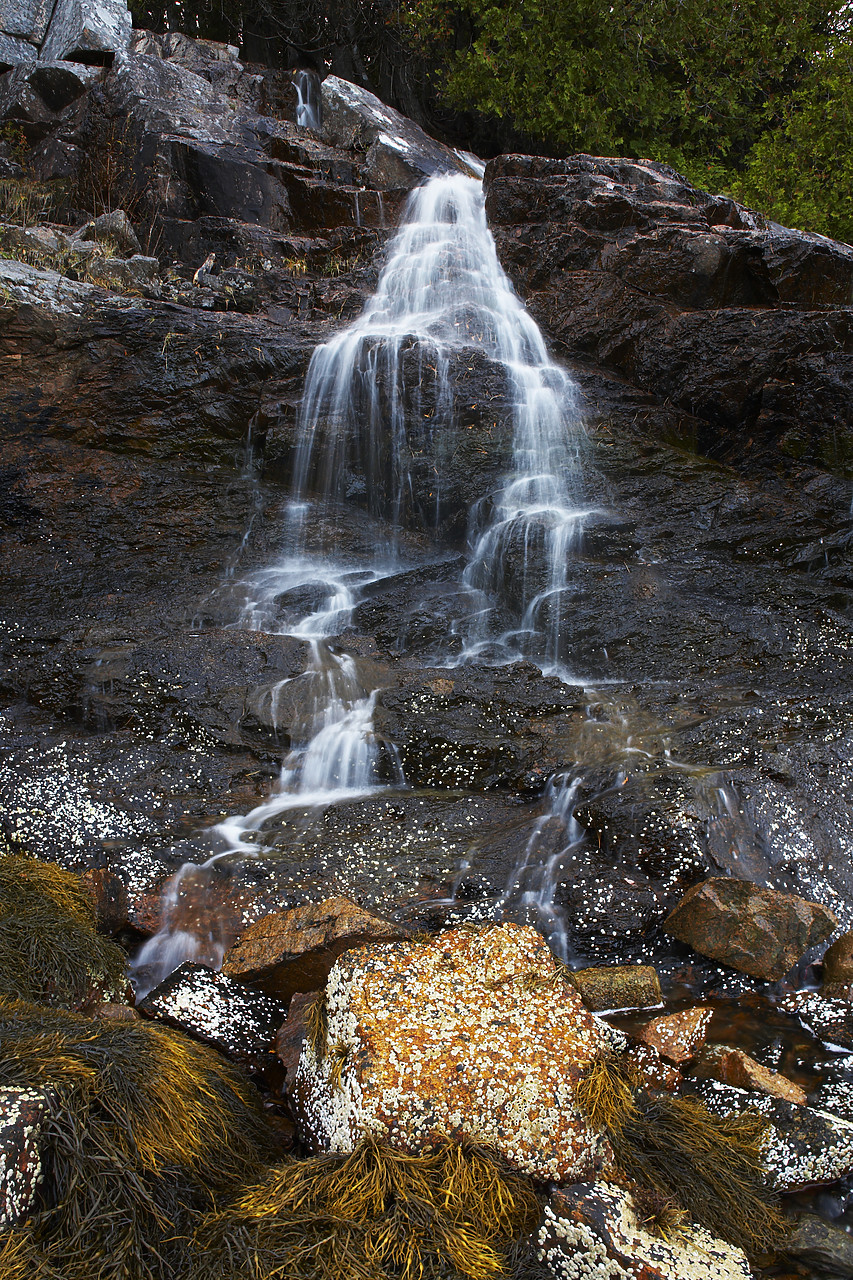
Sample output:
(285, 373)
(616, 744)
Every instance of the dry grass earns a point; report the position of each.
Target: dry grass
(453, 1210)
(50, 950)
(685, 1161)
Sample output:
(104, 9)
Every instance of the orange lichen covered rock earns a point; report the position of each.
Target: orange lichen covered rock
(677, 1036)
(471, 1033)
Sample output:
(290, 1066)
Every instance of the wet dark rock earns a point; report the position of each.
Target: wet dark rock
(803, 1146)
(13, 52)
(653, 1070)
(609, 988)
(757, 931)
(592, 1229)
(829, 1020)
(27, 19)
(22, 1113)
(821, 1246)
(509, 728)
(398, 152)
(292, 1032)
(114, 226)
(235, 1019)
(688, 295)
(293, 951)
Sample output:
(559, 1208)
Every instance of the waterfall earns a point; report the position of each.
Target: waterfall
(442, 291)
(308, 99)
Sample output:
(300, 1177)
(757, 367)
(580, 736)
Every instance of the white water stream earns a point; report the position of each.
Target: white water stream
(442, 289)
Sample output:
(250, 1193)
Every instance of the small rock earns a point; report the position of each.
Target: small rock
(654, 1071)
(830, 1021)
(22, 1113)
(294, 950)
(115, 1012)
(677, 1036)
(803, 1145)
(593, 1230)
(733, 1066)
(291, 1034)
(461, 1035)
(818, 1244)
(122, 273)
(114, 226)
(235, 1019)
(757, 931)
(838, 961)
(619, 987)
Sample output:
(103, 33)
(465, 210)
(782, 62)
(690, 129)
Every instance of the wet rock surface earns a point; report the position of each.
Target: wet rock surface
(235, 1019)
(22, 1113)
(757, 931)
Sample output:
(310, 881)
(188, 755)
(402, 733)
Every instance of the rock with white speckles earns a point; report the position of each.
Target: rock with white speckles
(289, 951)
(758, 931)
(830, 1021)
(235, 1019)
(677, 1036)
(803, 1145)
(464, 1035)
(652, 1069)
(22, 1113)
(593, 1231)
(399, 152)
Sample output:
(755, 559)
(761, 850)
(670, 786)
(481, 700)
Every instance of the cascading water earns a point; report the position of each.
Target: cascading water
(441, 291)
(308, 99)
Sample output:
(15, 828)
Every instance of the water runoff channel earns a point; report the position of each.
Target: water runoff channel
(442, 287)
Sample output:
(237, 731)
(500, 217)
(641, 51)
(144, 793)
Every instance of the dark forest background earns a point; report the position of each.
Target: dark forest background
(751, 97)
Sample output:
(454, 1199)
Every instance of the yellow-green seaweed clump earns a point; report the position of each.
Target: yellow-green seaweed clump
(451, 1210)
(50, 949)
(683, 1158)
(145, 1127)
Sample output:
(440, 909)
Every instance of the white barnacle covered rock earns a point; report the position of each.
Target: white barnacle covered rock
(467, 1034)
(22, 1113)
(803, 1145)
(593, 1232)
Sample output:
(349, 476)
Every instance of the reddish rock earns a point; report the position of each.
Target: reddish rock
(22, 1112)
(595, 1230)
(758, 931)
(677, 1036)
(289, 951)
(734, 1067)
(291, 1033)
(460, 1035)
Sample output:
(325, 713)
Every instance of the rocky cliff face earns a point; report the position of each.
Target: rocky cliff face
(148, 449)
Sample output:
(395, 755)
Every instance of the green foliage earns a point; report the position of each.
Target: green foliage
(145, 1127)
(50, 950)
(801, 173)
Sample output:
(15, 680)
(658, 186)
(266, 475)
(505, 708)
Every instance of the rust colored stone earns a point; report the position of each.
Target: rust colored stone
(677, 1036)
(838, 962)
(654, 1071)
(608, 988)
(734, 1067)
(291, 1033)
(290, 951)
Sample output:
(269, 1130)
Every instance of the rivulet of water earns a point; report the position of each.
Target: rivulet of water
(308, 99)
(441, 292)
